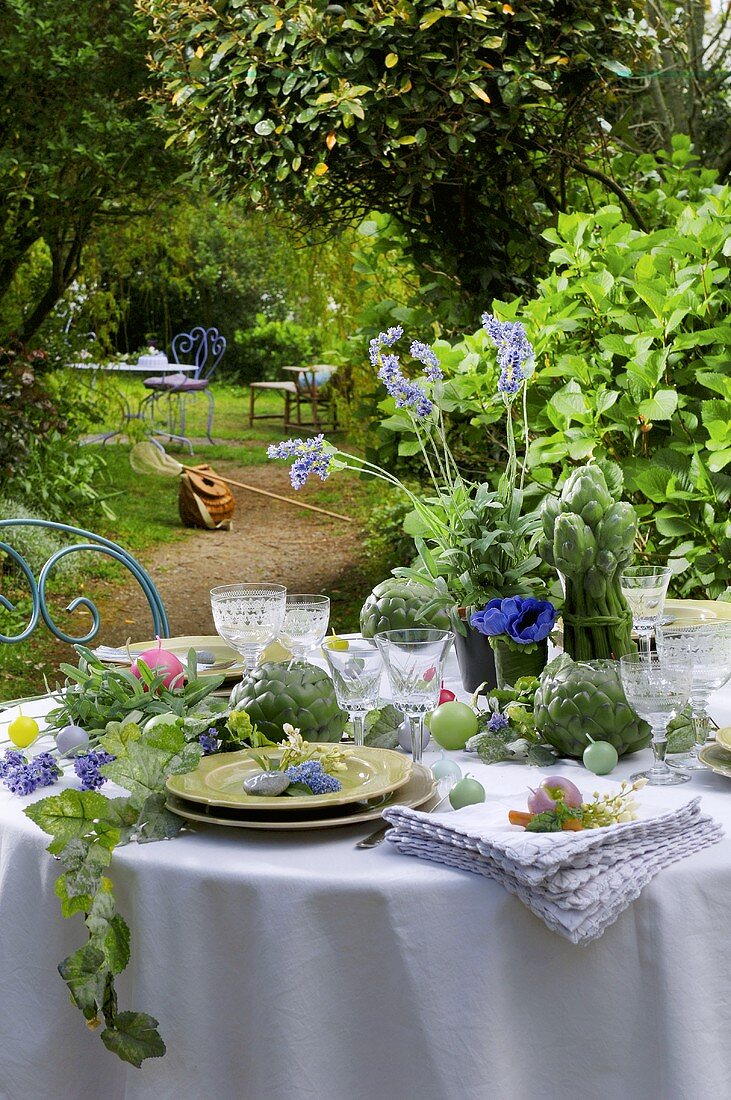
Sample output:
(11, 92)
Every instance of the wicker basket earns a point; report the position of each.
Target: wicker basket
(205, 502)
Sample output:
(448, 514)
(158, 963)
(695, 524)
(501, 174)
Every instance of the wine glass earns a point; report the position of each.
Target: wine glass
(248, 616)
(707, 645)
(657, 688)
(306, 618)
(414, 660)
(644, 587)
(356, 669)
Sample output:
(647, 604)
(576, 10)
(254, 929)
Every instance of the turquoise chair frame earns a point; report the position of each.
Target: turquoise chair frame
(37, 588)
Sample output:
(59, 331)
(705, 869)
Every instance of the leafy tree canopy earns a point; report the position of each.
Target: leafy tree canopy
(460, 117)
(77, 143)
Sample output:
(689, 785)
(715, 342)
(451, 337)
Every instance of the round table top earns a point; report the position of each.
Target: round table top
(295, 965)
(134, 368)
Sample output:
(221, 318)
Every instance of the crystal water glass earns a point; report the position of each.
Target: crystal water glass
(248, 616)
(644, 587)
(414, 661)
(707, 645)
(306, 619)
(356, 668)
(657, 688)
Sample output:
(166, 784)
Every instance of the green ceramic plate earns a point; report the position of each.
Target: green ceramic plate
(695, 611)
(717, 758)
(723, 737)
(417, 791)
(219, 780)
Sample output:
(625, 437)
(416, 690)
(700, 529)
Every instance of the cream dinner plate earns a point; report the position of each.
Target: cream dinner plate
(694, 611)
(219, 780)
(418, 789)
(717, 758)
(723, 737)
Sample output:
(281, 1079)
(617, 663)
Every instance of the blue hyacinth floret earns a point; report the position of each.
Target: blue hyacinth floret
(309, 457)
(22, 776)
(497, 722)
(514, 350)
(209, 741)
(314, 776)
(87, 766)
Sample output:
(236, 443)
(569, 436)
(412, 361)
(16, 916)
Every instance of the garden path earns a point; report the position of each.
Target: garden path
(270, 540)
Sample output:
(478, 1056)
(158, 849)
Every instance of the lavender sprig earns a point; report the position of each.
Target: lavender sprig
(22, 776)
(87, 766)
(514, 350)
(310, 457)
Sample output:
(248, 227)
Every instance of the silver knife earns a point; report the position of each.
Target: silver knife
(378, 835)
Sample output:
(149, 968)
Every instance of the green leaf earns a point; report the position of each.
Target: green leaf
(85, 972)
(157, 823)
(382, 727)
(68, 816)
(134, 1037)
(659, 407)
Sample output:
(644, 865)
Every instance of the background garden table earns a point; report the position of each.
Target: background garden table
(129, 411)
(292, 966)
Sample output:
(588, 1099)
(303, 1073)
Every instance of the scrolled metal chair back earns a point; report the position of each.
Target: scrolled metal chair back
(37, 588)
(204, 347)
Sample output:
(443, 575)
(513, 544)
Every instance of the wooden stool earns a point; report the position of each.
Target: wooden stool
(288, 390)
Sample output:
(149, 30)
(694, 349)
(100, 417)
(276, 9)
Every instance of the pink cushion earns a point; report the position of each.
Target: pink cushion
(167, 382)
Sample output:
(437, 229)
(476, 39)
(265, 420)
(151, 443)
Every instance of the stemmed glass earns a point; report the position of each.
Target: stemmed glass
(657, 688)
(306, 618)
(707, 646)
(356, 669)
(644, 587)
(414, 662)
(248, 616)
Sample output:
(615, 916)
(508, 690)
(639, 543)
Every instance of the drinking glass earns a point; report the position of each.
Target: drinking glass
(414, 661)
(306, 618)
(356, 675)
(644, 587)
(707, 645)
(248, 616)
(657, 688)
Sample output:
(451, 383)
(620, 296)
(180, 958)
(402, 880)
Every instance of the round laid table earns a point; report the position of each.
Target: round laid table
(291, 966)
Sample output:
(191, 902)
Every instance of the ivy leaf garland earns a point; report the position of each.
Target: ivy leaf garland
(86, 827)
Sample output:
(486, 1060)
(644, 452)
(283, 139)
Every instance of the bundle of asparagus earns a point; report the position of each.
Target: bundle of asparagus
(588, 535)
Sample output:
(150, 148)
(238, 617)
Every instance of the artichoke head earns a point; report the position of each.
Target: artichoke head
(295, 692)
(397, 605)
(586, 489)
(576, 700)
(574, 545)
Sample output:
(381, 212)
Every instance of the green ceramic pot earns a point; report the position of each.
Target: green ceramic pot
(511, 664)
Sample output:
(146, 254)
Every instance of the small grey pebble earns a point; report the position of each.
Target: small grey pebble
(205, 657)
(268, 783)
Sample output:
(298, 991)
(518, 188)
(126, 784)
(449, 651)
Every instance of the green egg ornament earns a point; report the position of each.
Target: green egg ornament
(452, 724)
(468, 792)
(600, 757)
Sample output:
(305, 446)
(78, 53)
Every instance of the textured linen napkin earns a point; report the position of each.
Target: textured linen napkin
(577, 883)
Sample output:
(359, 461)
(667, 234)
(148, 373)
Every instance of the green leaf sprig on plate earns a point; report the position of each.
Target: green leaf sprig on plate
(507, 729)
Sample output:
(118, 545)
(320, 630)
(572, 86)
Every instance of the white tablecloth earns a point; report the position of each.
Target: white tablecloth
(290, 967)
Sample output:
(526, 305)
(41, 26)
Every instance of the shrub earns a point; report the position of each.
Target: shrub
(27, 411)
(35, 544)
(270, 345)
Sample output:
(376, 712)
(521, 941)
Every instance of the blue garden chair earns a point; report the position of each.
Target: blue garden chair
(205, 348)
(37, 587)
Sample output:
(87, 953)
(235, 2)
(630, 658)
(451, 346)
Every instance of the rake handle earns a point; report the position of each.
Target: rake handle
(266, 493)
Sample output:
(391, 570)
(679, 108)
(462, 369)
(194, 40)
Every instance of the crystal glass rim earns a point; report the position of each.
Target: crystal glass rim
(248, 588)
(652, 660)
(354, 646)
(308, 597)
(691, 629)
(428, 635)
(645, 572)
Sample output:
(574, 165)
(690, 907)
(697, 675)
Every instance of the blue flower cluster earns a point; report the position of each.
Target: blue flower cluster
(22, 776)
(87, 767)
(425, 355)
(314, 776)
(384, 340)
(407, 394)
(209, 741)
(498, 722)
(310, 457)
(523, 620)
(514, 350)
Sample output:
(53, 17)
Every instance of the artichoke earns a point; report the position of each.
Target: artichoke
(576, 699)
(296, 692)
(589, 536)
(396, 605)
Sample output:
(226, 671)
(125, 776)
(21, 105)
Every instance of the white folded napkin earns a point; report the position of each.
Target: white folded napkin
(577, 883)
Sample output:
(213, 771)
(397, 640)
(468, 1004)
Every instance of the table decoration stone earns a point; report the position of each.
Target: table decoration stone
(267, 783)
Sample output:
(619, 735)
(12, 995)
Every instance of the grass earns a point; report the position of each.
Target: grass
(147, 516)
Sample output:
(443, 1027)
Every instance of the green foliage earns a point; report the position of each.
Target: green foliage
(79, 143)
(268, 346)
(459, 118)
(35, 544)
(27, 410)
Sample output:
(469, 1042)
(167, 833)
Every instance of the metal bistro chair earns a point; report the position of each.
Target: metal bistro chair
(205, 347)
(37, 588)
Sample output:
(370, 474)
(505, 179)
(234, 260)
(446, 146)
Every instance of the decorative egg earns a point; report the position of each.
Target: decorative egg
(404, 737)
(161, 661)
(72, 740)
(446, 769)
(600, 757)
(23, 731)
(468, 792)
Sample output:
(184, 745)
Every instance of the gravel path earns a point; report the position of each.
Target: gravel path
(270, 541)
